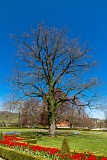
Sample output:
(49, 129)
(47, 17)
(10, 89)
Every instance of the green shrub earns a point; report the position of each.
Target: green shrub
(65, 150)
(1, 135)
(31, 137)
(65, 147)
(32, 141)
(11, 154)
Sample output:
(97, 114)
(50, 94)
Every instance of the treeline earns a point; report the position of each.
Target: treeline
(33, 113)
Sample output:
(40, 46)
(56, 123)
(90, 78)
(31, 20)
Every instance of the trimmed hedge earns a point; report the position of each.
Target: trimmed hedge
(11, 154)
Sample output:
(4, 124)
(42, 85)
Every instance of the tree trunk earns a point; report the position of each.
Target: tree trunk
(71, 125)
(51, 114)
(52, 129)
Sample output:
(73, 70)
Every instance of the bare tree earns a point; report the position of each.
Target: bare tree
(50, 60)
(104, 108)
(8, 115)
(30, 113)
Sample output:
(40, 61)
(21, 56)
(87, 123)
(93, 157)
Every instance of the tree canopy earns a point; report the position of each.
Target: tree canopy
(49, 60)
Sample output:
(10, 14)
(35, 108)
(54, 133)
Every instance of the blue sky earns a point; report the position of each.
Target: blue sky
(86, 19)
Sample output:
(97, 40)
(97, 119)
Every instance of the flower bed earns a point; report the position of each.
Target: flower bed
(47, 152)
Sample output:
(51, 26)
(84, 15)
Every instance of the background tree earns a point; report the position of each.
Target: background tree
(9, 115)
(104, 108)
(30, 113)
(75, 114)
(50, 60)
(13, 108)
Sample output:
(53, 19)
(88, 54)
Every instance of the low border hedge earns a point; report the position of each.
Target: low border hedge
(11, 154)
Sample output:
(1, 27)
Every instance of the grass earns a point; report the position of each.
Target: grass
(20, 130)
(95, 142)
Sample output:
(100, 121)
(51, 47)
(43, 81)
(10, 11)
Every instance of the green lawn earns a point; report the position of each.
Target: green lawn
(20, 130)
(95, 142)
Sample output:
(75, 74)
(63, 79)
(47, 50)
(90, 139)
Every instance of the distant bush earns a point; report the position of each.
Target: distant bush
(34, 134)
